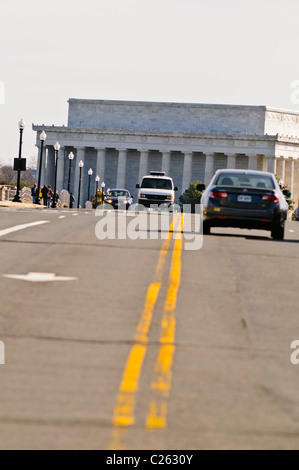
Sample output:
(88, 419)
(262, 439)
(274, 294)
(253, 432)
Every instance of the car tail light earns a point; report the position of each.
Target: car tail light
(218, 195)
(271, 197)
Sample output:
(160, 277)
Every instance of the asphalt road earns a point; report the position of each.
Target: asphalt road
(149, 346)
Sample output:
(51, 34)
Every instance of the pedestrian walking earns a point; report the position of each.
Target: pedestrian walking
(45, 195)
(297, 213)
(51, 194)
(34, 193)
(56, 197)
(72, 200)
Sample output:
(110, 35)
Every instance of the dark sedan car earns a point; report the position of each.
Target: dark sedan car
(119, 198)
(245, 199)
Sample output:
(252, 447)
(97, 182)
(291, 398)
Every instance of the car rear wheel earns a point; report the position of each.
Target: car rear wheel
(277, 232)
(206, 228)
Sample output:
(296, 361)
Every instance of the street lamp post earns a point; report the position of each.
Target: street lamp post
(42, 137)
(97, 188)
(81, 165)
(56, 148)
(103, 191)
(90, 173)
(18, 162)
(71, 158)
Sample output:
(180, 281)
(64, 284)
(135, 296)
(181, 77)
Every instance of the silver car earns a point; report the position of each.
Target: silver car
(245, 199)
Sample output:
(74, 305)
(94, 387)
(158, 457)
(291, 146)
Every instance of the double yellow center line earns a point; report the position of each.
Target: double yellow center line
(162, 380)
(124, 412)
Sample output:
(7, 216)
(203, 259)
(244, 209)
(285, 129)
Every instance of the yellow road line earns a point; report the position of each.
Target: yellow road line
(162, 381)
(124, 412)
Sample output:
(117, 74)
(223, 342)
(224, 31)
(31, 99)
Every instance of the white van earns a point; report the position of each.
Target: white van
(156, 189)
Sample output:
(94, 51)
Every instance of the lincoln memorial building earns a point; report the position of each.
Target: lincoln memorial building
(121, 141)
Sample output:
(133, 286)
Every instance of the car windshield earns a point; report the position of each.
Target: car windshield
(257, 180)
(117, 193)
(156, 183)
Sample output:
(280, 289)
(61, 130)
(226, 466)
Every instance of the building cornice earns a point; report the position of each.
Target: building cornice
(167, 104)
(282, 111)
(152, 133)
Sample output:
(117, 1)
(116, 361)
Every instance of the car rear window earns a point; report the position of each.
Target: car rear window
(114, 193)
(156, 183)
(258, 181)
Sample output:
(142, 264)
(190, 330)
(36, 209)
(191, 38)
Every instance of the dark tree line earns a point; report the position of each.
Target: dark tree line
(9, 177)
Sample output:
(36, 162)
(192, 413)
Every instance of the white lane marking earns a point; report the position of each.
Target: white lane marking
(61, 217)
(39, 277)
(292, 231)
(74, 214)
(22, 227)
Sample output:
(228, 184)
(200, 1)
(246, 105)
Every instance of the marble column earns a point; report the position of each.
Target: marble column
(50, 172)
(101, 163)
(80, 156)
(45, 164)
(166, 158)
(265, 163)
(231, 162)
(122, 169)
(60, 170)
(143, 166)
(292, 164)
(43, 178)
(187, 174)
(38, 160)
(272, 165)
(44, 159)
(209, 169)
(252, 162)
(296, 183)
(282, 173)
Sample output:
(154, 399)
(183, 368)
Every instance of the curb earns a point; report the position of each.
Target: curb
(21, 205)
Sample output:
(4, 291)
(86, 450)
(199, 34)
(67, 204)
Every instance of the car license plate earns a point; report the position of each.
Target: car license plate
(244, 198)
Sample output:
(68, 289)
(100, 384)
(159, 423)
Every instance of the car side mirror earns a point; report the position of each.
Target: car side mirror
(201, 187)
(287, 193)
(137, 186)
(176, 188)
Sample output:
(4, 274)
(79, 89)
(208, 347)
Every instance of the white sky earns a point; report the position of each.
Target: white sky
(204, 51)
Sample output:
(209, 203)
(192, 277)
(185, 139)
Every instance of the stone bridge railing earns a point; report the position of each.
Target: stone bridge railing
(7, 193)
(26, 195)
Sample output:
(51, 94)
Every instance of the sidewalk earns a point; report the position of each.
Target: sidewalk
(20, 205)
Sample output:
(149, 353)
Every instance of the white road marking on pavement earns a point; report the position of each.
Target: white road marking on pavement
(292, 231)
(39, 277)
(74, 214)
(21, 227)
(61, 217)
